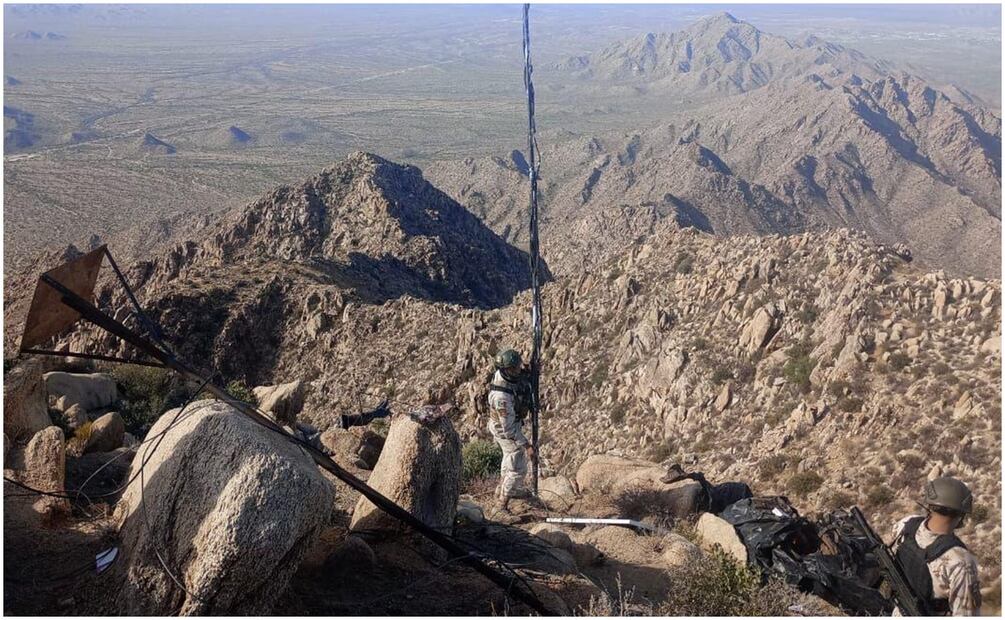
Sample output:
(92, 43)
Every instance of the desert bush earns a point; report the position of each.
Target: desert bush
(744, 372)
(807, 314)
(147, 393)
(798, 367)
(838, 388)
(879, 495)
(480, 459)
(617, 412)
(718, 585)
(240, 390)
(699, 344)
(911, 460)
(804, 482)
(684, 264)
(599, 375)
(639, 502)
(771, 466)
(849, 404)
(979, 514)
(838, 500)
(721, 375)
(898, 361)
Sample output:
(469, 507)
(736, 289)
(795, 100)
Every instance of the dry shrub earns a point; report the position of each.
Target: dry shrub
(718, 585)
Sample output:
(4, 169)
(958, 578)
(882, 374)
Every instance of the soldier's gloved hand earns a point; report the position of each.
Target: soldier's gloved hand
(382, 410)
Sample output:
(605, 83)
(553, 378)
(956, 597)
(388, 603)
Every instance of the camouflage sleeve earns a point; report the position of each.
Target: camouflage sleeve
(504, 413)
(964, 588)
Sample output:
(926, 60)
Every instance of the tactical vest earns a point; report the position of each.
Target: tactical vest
(521, 398)
(915, 561)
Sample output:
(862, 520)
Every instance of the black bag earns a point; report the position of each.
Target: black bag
(828, 559)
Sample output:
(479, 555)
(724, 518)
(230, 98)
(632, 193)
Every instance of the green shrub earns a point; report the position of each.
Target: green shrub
(718, 585)
(804, 482)
(147, 393)
(979, 514)
(481, 459)
(599, 375)
(837, 388)
(807, 314)
(839, 500)
(721, 375)
(617, 412)
(879, 495)
(240, 390)
(684, 264)
(798, 367)
(898, 361)
(771, 466)
(699, 344)
(849, 404)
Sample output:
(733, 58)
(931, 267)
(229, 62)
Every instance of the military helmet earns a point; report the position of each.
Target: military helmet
(508, 359)
(948, 493)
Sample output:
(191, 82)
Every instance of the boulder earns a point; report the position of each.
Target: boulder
(603, 473)
(556, 492)
(420, 470)
(553, 535)
(719, 532)
(679, 552)
(230, 505)
(107, 433)
(761, 328)
(352, 556)
(75, 416)
(45, 469)
(25, 407)
(992, 346)
(470, 512)
(283, 401)
(370, 446)
(90, 391)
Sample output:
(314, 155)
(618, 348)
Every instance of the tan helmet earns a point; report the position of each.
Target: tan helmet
(948, 493)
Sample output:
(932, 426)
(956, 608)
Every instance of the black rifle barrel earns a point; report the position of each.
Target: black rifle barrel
(903, 592)
(102, 320)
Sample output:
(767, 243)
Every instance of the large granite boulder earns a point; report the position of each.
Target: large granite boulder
(229, 505)
(420, 470)
(25, 409)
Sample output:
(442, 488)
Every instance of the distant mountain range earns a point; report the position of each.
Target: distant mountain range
(788, 137)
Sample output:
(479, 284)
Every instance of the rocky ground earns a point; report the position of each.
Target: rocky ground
(820, 365)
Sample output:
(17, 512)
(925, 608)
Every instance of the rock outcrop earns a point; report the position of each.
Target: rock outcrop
(25, 409)
(229, 505)
(107, 433)
(90, 391)
(283, 401)
(420, 470)
(45, 470)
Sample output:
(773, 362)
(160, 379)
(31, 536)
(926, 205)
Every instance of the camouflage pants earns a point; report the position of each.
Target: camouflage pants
(513, 469)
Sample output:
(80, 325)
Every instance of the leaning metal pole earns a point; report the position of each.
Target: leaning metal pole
(535, 254)
(93, 315)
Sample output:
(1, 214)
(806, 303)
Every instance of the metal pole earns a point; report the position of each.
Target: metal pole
(535, 254)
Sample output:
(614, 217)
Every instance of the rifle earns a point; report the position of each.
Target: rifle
(903, 592)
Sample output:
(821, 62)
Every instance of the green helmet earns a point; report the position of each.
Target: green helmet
(508, 359)
(948, 493)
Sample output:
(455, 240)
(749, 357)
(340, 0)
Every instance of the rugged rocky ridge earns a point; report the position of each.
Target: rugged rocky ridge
(718, 55)
(881, 152)
(820, 365)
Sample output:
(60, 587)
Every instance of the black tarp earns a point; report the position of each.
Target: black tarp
(827, 558)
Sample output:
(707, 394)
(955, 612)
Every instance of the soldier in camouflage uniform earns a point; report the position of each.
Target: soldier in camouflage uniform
(936, 562)
(506, 395)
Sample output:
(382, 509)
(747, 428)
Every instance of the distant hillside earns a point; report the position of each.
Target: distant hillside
(790, 137)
